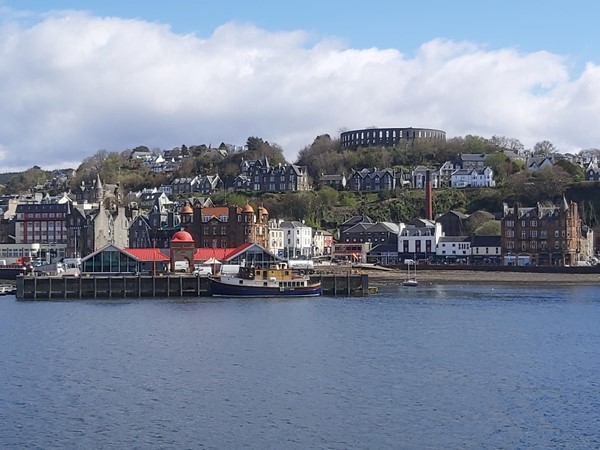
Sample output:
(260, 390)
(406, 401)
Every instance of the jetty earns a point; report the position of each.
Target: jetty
(123, 286)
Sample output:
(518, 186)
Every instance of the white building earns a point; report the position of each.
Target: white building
(462, 178)
(454, 249)
(275, 238)
(418, 239)
(297, 239)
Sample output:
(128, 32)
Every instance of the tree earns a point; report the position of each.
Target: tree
(476, 220)
(502, 143)
(489, 228)
(551, 182)
(544, 148)
(500, 164)
(476, 144)
(575, 171)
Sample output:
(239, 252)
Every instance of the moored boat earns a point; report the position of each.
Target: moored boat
(276, 281)
(411, 279)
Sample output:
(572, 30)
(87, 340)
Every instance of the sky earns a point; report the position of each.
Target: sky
(81, 76)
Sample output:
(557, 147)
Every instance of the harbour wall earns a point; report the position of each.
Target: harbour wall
(148, 286)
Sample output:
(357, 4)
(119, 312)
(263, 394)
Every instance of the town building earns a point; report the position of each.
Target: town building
(297, 239)
(418, 239)
(541, 235)
(486, 250)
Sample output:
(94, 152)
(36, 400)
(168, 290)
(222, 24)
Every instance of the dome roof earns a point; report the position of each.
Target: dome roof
(248, 209)
(187, 209)
(263, 210)
(182, 236)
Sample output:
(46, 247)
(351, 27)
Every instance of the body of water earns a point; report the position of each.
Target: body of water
(436, 367)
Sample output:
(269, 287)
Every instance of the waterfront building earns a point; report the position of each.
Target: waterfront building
(275, 238)
(354, 220)
(322, 242)
(227, 226)
(418, 239)
(485, 250)
(453, 249)
(351, 252)
(453, 223)
(297, 239)
(541, 235)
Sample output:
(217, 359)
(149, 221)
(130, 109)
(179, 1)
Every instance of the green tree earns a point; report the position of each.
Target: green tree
(489, 228)
(575, 171)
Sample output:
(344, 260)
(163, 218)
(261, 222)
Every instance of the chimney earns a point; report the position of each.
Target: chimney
(428, 196)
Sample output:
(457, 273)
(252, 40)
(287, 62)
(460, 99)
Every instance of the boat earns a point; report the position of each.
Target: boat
(6, 289)
(278, 280)
(411, 279)
(11, 271)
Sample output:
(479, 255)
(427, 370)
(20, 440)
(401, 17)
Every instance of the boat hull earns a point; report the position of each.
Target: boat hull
(11, 272)
(219, 288)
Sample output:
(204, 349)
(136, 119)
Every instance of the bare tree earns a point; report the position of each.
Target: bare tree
(544, 148)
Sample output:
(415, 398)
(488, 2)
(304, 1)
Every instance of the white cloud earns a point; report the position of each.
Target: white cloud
(72, 84)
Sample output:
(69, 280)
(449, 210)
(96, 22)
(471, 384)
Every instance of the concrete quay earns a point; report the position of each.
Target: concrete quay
(121, 286)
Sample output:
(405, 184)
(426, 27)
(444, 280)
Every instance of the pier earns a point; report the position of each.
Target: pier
(148, 286)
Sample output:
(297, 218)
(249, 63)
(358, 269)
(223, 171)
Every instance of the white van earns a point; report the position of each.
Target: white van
(202, 271)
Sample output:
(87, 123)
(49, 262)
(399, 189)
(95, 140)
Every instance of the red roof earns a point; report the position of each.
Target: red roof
(202, 254)
(182, 236)
(146, 254)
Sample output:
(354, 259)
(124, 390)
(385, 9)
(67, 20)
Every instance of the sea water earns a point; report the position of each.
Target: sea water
(439, 366)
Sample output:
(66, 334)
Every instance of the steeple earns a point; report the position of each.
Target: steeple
(99, 188)
(564, 207)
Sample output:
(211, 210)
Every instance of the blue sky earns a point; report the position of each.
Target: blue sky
(79, 76)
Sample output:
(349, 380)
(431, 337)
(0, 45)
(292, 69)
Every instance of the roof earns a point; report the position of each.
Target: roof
(454, 239)
(215, 211)
(485, 241)
(204, 254)
(146, 254)
(358, 219)
(384, 226)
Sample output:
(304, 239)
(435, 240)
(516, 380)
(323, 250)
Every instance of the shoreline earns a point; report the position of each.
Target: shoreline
(395, 277)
